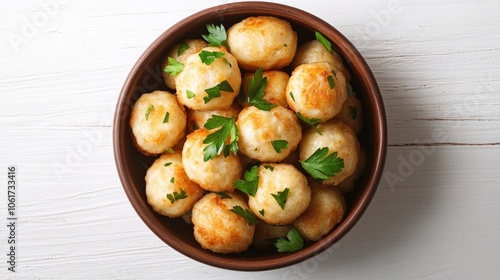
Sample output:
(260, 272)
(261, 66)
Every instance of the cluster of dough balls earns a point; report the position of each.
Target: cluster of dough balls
(305, 81)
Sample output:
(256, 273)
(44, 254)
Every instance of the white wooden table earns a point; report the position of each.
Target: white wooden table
(436, 214)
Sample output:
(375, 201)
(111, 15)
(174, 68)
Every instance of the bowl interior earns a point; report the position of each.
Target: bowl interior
(146, 76)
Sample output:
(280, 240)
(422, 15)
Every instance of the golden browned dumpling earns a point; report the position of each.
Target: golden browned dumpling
(338, 137)
(265, 233)
(208, 87)
(325, 211)
(168, 190)
(352, 114)
(217, 174)
(218, 229)
(197, 119)
(282, 194)
(179, 53)
(348, 184)
(314, 51)
(315, 91)
(262, 41)
(263, 135)
(157, 122)
(275, 88)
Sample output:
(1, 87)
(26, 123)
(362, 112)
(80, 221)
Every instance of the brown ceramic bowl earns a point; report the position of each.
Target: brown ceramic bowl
(146, 76)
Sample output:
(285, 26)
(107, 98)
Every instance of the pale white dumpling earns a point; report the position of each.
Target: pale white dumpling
(168, 189)
(348, 184)
(216, 174)
(217, 228)
(315, 91)
(352, 114)
(338, 137)
(325, 211)
(263, 133)
(275, 90)
(157, 122)
(208, 87)
(262, 41)
(285, 182)
(198, 119)
(265, 233)
(179, 52)
(314, 51)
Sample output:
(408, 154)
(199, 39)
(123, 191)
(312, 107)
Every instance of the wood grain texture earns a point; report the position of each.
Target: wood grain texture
(436, 65)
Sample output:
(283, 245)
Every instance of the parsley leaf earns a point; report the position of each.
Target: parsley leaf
(249, 186)
(182, 47)
(170, 151)
(256, 91)
(174, 67)
(291, 95)
(278, 145)
(349, 89)
(269, 167)
(281, 197)
(167, 164)
(261, 212)
(294, 242)
(148, 111)
(311, 122)
(223, 195)
(215, 91)
(353, 111)
(320, 166)
(209, 57)
(217, 140)
(245, 213)
(190, 94)
(165, 120)
(216, 35)
(173, 197)
(331, 82)
(324, 41)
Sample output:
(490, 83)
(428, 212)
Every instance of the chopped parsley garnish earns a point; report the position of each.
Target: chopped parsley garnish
(167, 164)
(182, 47)
(269, 167)
(190, 94)
(349, 89)
(293, 242)
(223, 195)
(249, 186)
(331, 82)
(291, 95)
(281, 197)
(216, 141)
(216, 35)
(209, 57)
(165, 119)
(215, 91)
(172, 180)
(174, 67)
(256, 91)
(322, 166)
(245, 213)
(170, 151)
(195, 126)
(148, 111)
(261, 212)
(278, 145)
(353, 111)
(324, 41)
(173, 197)
(311, 122)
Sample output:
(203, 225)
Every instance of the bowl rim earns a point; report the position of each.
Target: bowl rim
(287, 258)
